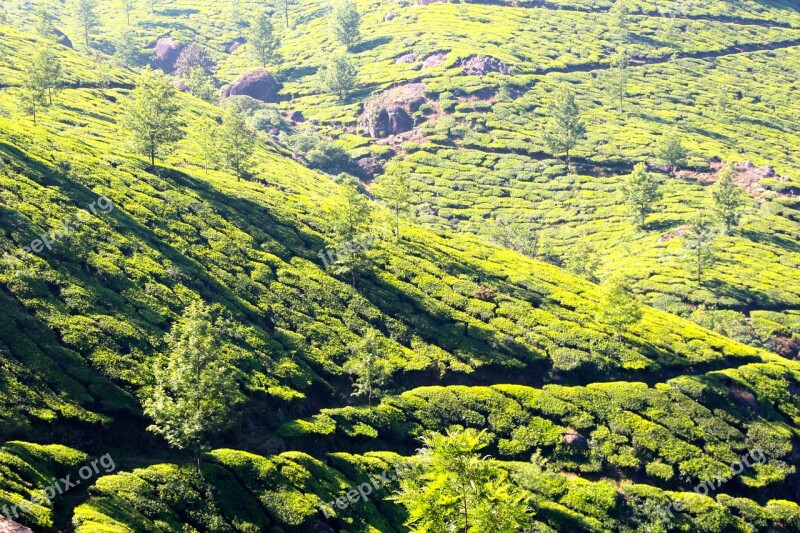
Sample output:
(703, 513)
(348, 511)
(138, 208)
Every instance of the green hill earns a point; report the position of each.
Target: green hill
(602, 426)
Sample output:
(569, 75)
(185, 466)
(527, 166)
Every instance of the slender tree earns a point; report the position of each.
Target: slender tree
(520, 236)
(722, 104)
(394, 188)
(619, 15)
(32, 95)
(51, 65)
(670, 151)
(339, 77)
(728, 198)
(193, 56)
(453, 488)
(86, 17)
(262, 41)
(619, 77)
(371, 371)
(205, 140)
(151, 118)
(44, 22)
(350, 217)
(641, 193)
(346, 23)
(128, 6)
(699, 242)
(195, 393)
(201, 85)
(236, 141)
(565, 128)
(285, 6)
(125, 48)
(582, 259)
(620, 308)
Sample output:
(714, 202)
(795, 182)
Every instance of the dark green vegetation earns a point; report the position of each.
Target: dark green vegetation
(485, 313)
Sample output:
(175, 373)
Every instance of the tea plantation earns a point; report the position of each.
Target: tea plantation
(514, 293)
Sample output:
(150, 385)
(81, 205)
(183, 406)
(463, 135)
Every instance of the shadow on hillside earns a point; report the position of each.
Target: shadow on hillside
(295, 73)
(173, 13)
(173, 26)
(782, 242)
(369, 45)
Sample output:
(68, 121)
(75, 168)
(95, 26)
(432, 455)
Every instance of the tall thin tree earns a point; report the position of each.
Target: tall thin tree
(151, 118)
(728, 198)
(86, 17)
(565, 129)
(236, 140)
(195, 392)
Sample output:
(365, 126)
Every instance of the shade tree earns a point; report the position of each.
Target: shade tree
(86, 17)
(453, 487)
(195, 392)
(236, 141)
(728, 198)
(368, 366)
(151, 117)
(565, 128)
(339, 76)
(699, 243)
(640, 191)
(670, 151)
(349, 220)
(262, 42)
(395, 189)
(346, 23)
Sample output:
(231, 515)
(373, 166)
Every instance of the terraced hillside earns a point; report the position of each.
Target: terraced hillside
(599, 422)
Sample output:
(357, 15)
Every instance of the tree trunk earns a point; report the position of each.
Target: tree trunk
(397, 224)
(466, 515)
(699, 268)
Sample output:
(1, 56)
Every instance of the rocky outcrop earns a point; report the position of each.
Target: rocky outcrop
(390, 112)
(166, 53)
(483, 65)
(259, 84)
(295, 116)
(370, 166)
(576, 440)
(406, 58)
(434, 60)
(390, 121)
(9, 526)
(680, 231)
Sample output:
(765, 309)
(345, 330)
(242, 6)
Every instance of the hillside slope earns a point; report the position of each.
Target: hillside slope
(603, 427)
